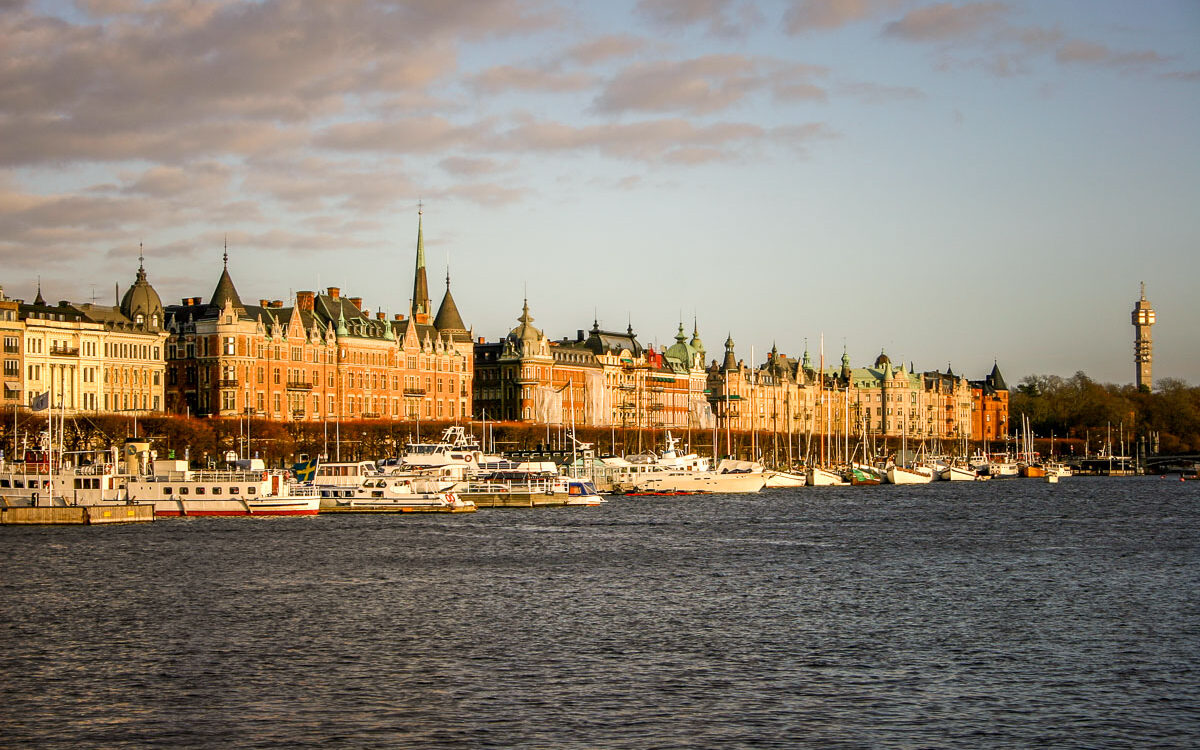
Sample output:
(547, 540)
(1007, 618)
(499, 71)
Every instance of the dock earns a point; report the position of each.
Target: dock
(402, 509)
(515, 499)
(76, 515)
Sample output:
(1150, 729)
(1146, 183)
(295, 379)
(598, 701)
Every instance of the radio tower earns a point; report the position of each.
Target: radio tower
(1143, 318)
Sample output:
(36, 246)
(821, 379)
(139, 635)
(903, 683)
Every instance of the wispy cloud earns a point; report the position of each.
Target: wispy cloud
(722, 18)
(705, 85)
(947, 21)
(817, 15)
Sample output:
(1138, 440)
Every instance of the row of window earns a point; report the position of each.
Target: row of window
(216, 490)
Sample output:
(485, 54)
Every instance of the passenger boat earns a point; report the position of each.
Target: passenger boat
(689, 472)
(361, 487)
(172, 488)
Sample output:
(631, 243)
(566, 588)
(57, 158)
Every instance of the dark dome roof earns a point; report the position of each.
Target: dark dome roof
(141, 300)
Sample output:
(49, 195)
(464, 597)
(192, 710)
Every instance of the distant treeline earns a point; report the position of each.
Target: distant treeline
(1079, 407)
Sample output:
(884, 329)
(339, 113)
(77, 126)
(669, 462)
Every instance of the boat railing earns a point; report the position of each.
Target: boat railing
(532, 486)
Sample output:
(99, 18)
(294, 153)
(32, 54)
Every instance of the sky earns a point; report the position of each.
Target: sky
(955, 183)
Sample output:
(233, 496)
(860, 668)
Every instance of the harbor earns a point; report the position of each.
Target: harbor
(920, 606)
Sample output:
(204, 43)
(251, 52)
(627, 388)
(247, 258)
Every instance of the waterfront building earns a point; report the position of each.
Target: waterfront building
(601, 379)
(12, 332)
(324, 356)
(786, 397)
(989, 407)
(1143, 318)
(94, 358)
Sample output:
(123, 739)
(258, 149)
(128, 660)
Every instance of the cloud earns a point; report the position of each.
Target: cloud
(509, 77)
(673, 140)
(487, 194)
(604, 48)
(214, 71)
(705, 85)
(415, 134)
(724, 18)
(699, 86)
(874, 93)
(946, 21)
(465, 166)
(1090, 53)
(211, 178)
(812, 15)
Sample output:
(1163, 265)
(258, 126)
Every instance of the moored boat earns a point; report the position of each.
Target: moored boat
(909, 475)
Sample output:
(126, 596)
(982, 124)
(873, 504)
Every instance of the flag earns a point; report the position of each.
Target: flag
(305, 471)
(40, 403)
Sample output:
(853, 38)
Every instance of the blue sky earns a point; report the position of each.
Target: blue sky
(955, 183)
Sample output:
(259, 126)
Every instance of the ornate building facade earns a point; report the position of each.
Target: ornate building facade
(605, 378)
(598, 379)
(324, 356)
(94, 358)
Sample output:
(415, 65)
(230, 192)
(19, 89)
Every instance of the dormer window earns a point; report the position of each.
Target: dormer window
(139, 319)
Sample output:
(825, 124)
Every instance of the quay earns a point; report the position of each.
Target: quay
(404, 509)
(76, 515)
(516, 499)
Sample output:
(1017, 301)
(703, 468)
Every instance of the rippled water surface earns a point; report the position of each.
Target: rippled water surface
(1002, 614)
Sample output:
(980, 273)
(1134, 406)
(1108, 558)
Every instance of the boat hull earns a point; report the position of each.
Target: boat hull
(778, 479)
(824, 478)
(957, 474)
(698, 481)
(918, 475)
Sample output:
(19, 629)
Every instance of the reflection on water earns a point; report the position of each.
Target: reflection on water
(1000, 614)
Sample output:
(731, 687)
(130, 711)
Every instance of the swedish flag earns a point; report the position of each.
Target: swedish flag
(305, 471)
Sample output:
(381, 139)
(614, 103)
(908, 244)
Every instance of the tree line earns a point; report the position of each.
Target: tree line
(1167, 418)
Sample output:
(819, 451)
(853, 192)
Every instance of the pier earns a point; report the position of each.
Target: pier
(76, 515)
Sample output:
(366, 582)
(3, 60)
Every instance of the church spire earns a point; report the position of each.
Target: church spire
(420, 299)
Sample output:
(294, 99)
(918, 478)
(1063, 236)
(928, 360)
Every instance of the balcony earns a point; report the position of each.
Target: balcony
(414, 393)
(64, 351)
(299, 385)
(12, 349)
(227, 383)
(371, 415)
(298, 414)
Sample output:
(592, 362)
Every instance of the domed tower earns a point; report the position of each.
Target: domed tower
(1143, 318)
(141, 303)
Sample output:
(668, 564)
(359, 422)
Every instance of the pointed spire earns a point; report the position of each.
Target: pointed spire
(448, 318)
(225, 257)
(680, 336)
(420, 298)
(225, 290)
(38, 299)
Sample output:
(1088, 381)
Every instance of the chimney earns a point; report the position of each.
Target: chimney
(334, 292)
(481, 339)
(380, 315)
(357, 302)
(306, 300)
(399, 317)
(264, 303)
(277, 303)
(579, 335)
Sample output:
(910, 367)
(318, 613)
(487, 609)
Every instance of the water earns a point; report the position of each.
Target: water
(1005, 614)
